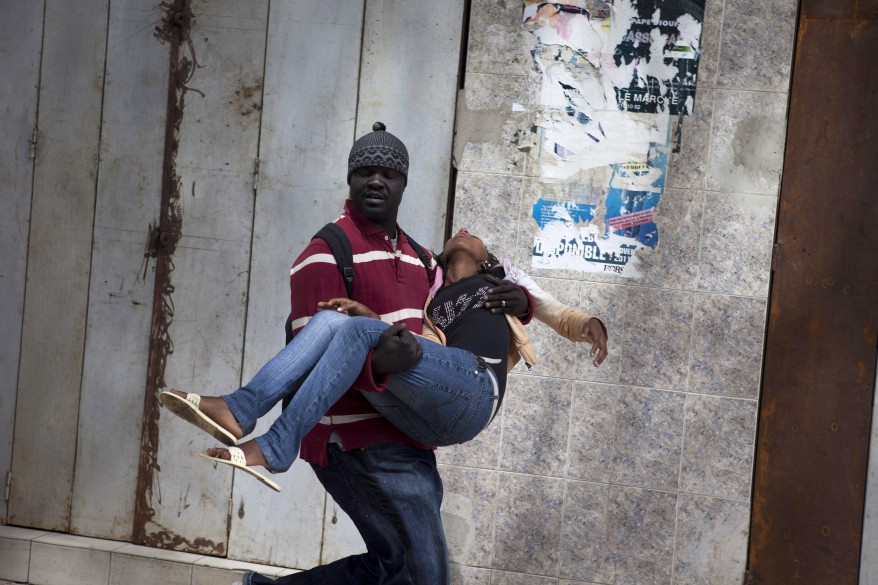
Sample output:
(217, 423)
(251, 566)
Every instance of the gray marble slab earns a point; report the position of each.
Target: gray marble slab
(736, 244)
(727, 346)
(468, 513)
(688, 168)
(757, 44)
(747, 142)
(536, 424)
(656, 336)
(711, 547)
(528, 524)
(718, 446)
(642, 535)
(674, 261)
(585, 551)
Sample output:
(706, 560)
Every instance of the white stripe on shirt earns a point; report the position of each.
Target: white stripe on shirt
(392, 317)
(313, 259)
(414, 260)
(403, 314)
(373, 256)
(300, 322)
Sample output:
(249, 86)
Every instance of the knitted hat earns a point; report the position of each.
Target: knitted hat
(379, 148)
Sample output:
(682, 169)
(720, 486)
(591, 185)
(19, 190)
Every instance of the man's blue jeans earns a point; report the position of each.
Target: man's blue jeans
(445, 398)
(393, 493)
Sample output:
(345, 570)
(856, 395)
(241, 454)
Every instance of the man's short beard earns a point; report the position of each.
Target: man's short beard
(375, 215)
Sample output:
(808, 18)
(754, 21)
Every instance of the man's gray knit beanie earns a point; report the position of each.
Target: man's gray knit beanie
(379, 148)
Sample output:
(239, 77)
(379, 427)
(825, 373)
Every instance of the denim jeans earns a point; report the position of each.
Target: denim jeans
(445, 398)
(393, 494)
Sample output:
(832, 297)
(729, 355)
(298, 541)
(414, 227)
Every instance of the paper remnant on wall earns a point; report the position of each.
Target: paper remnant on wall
(599, 220)
(611, 73)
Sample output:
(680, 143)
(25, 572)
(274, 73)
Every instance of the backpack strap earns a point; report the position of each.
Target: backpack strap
(419, 250)
(340, 245)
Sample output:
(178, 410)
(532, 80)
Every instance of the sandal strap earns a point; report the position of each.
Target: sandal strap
(194, 400)
(237, 456)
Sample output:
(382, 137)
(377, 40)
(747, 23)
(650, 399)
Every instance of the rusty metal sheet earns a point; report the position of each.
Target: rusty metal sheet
(835, 10)
(820, 352)
(20, 46)
(121, 288)
(59, 252)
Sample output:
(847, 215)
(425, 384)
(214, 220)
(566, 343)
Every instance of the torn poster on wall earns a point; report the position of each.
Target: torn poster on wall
(596, 223)
(659, 54)
(611, 75)
(643, 54)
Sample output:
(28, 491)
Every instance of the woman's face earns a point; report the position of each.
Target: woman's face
(464, 242)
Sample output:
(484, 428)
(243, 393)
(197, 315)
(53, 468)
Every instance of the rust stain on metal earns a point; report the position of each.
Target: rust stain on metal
(162, 239)
(248, 99)
(160, 537)
(818, 382)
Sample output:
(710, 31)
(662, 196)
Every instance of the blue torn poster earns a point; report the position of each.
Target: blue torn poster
(600, 227)
(612, 73)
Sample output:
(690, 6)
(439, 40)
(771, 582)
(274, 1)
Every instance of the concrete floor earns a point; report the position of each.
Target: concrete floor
(38, 557)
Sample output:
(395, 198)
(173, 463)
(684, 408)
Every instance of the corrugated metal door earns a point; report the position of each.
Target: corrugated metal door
(187, 150)
(20, 50)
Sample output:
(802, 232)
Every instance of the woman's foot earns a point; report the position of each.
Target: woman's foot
(244, 458)
(252, 454)
(216, 409)
(211, 414)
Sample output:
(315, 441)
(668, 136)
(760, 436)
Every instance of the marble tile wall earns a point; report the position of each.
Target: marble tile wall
(638, 472)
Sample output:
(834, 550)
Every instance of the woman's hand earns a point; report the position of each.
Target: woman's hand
(348, 307)
(594, 333)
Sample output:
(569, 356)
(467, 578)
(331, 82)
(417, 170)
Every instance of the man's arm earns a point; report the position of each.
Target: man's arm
(315, 278)
(398, 349)
(506, 297)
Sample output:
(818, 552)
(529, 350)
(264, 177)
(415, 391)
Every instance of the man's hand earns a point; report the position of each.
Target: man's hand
(505, 297)
(397, 350)
(594, 333)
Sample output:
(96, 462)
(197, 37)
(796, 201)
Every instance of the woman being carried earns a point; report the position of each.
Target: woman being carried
(447, 397)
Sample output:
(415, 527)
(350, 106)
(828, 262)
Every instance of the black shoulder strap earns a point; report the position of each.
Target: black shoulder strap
(425, 260)
(340, 245)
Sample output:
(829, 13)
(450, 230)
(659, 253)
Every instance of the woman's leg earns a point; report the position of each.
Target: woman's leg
(333, 373)
(281, 375)
(445, 399)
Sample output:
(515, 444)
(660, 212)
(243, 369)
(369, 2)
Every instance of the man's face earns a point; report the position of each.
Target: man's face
(377, 193)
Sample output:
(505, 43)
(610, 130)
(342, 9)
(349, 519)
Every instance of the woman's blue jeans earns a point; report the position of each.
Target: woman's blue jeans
(445, 398)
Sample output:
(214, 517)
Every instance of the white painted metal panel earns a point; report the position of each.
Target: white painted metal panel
(411, 57)
(21, 35)
(312, 64)
(408, 80)
(58, 263)
(121, 290)
(218, 144)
